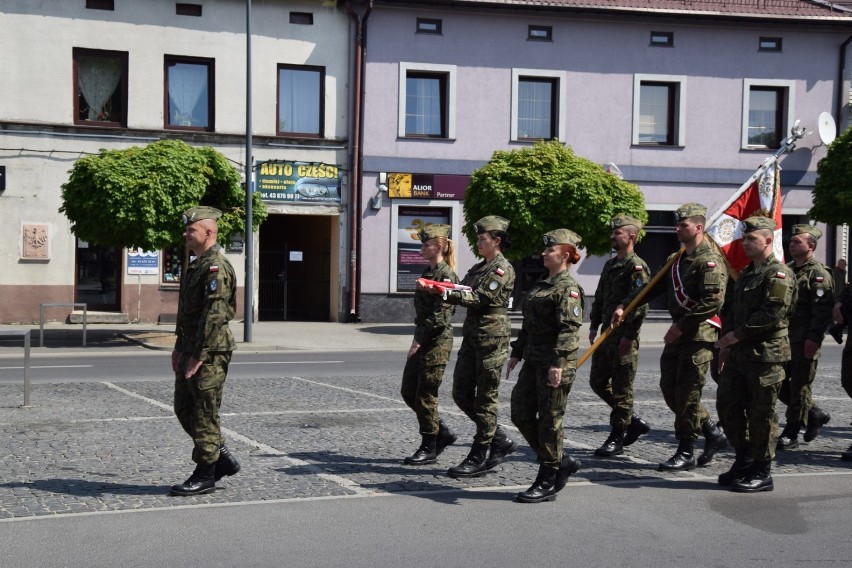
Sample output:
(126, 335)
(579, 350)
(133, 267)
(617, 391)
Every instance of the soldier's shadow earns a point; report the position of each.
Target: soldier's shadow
(85, 487)
(428, 482)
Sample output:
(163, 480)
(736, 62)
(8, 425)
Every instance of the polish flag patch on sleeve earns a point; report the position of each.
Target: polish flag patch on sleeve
(574, 294)
(780, 275)
(214, 268)
(500, 271)
(819, 279)
(638, 268)
(711, 265)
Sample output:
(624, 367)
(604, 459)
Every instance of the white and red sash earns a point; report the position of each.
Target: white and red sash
(681, 296)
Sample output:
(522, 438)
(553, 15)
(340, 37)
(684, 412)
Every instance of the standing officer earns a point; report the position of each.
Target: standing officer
(203, 350)
(752, 356)
(808, 325)
(841, 313)
(485, 346)
(614, 362)
(696, 291)
(430, 349)
(548, 343)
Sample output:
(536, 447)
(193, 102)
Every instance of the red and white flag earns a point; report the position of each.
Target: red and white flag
(760, 194)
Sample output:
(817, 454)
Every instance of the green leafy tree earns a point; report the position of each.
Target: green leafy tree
(135, 197)
(832, 193)
(548, 187)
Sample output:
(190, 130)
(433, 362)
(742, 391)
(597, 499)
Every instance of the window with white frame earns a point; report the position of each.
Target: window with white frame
(767, 108)
(427, 96)
(301, 94)
(536, 112)
(658, 110)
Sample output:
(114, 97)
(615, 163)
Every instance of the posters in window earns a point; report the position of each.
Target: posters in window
(410, 220)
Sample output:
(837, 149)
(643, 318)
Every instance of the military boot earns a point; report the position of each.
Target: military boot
(847, 455)
(789, 437)
(542, 489)
(836, 331)
(739, 469)
(227, 464)
(684, 458)
(714, 441)
(446, 437)
(473, 465)
(637, 427)
(426, 454)
(817, 418)
(201, 481)
(757, 480)
(568, 466)
(501, 446)
(613, 445)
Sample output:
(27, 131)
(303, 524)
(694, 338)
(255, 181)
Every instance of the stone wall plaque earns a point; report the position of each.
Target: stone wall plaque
(36, 242)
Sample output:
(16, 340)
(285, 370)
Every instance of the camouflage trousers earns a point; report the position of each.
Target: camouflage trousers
(538, 410)
(745, 401)
(796, 388)
(421, 380)
(476, 382)
(197, 401)
(683, 368)
(611, 378)
(846, 367)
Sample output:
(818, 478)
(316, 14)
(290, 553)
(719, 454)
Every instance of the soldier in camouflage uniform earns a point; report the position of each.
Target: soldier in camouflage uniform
(696, 291)
(431, 347)
(842, 314)
(808, 325)
(203, 350)
(752, 356)
(615, 361)
(485, 346)
(548, 343)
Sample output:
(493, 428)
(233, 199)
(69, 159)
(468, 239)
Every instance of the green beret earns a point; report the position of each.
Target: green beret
(809, 229)
(757, 223)
(561, 237)
(622, 220)
(194, 214)
(688, 210)
(434, 232)
(491, 223)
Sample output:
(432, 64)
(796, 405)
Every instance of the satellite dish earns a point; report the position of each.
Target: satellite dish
(827, 128)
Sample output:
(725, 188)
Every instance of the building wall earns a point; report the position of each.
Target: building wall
(599, 57)
(39, 141)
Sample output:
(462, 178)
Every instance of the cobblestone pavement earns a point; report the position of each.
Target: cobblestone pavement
(90, 447)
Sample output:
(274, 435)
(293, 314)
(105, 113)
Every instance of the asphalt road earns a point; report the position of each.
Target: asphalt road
(321, 436)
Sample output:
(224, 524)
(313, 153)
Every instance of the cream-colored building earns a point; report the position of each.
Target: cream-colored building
(81, 76)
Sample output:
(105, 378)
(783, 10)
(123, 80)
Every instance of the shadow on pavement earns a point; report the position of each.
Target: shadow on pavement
(400, 478)
(60, 338)
(86, 488)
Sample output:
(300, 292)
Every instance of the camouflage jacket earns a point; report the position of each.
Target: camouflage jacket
(432, 317)
(812, 314)
(764, 299)
(620, 277)
(487, 303)
(702, 278)
(208, 301)
(553, 314)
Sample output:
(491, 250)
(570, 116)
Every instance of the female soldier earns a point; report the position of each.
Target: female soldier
(548, 343)
(485, 346)
(431, 346)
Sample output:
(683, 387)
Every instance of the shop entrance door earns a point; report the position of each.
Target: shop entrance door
(98, 277)
(295, 260)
